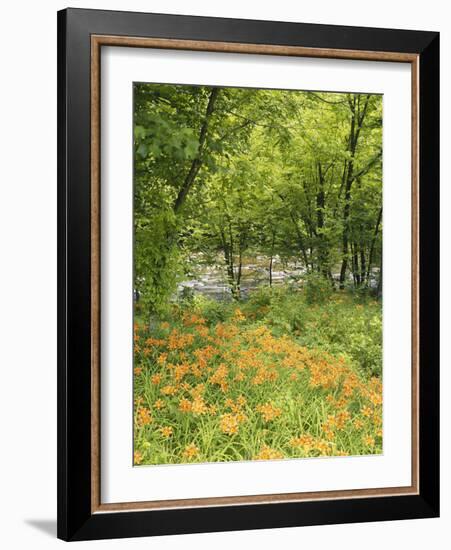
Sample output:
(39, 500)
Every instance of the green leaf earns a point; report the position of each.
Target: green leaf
(142, 150)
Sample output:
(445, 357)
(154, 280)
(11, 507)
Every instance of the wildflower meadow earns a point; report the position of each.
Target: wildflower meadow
(257, 274)
(250, 383)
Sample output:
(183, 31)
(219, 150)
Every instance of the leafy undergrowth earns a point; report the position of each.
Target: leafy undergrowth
(274, 377)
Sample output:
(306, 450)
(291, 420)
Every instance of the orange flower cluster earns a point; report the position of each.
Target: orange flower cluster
(156, 378)
(203, 356)
(137, 457)
(177, 340)
(368, 440)
(238, 315)
(225, 331)
(169, 390)
(219, 377)
(308, 443)
(235, 406)
(269, 411)
(230, 423)
(335, 422)
(202, 331)
(191, 451)
(267, 453)
(159, 404)
(192, 320)
(162, 358)
(180, 371)
(265, 374)
(198, 406)
(326, 374)
(144, 416)
(155, 342)
(202, 371)
(166, 431)
(185, 405)
(358, 424)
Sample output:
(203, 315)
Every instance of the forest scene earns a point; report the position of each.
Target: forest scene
(257, 274)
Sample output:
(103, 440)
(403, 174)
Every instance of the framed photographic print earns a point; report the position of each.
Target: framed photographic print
(248, 274)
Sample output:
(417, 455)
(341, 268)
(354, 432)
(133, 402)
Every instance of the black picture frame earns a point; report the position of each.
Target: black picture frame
(76, 521)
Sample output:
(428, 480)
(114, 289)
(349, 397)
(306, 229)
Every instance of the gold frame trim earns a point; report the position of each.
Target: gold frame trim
(97, 41)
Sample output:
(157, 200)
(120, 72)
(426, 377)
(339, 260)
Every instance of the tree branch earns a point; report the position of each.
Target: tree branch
(368, 167)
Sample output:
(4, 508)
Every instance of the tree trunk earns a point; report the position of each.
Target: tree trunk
(373, 243)
(323, 250)
(345, 243)
(238, 277)
(197, 162)
(271, 257)
(355, 265)
(232, 276)
(357, 118)
(300, 240)
(379, 284)
(362, 264)
(228, 257)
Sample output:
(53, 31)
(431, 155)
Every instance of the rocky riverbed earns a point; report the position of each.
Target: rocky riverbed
(211, 280)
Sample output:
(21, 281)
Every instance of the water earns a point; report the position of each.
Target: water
(211, 281)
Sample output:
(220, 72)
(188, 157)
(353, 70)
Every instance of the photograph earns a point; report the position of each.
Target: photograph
(248, 272)
(257, 274)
